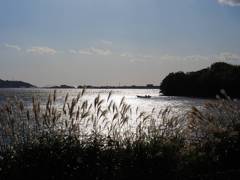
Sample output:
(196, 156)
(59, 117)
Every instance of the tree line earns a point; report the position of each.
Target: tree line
(207, 82)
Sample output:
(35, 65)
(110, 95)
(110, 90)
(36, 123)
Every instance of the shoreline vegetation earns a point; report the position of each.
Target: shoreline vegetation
(148, 86)
(102, 139)
(21, 84)
(15, 84)
(203, 83)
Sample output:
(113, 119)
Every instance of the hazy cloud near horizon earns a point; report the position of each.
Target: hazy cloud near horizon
(41, 50)
(95, 51)
(12, 46)
(132, 57)
(125, 67)
(230, 2)
(104, 42)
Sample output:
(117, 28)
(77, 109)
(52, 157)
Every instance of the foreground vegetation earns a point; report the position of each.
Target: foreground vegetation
(103, 139)
(204, 83)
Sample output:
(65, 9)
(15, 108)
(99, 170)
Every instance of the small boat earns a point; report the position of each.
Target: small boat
(146, 96)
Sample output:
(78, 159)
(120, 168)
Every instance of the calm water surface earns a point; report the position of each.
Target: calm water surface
(157, 101)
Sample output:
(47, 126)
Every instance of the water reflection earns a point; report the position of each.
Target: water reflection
(156, 101)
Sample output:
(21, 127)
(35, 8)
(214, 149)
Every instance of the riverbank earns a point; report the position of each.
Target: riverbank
(206, 82)
(87, 141)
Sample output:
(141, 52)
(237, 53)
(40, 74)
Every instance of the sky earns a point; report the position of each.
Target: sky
(114, 42)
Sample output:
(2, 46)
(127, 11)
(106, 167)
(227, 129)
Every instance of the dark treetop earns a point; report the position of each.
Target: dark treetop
(204, 83)
(62, 87)
(148, 86)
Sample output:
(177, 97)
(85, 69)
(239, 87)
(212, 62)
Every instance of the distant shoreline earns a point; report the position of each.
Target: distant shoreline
(104, 87)
(119, 87)
(95, 87)
(20, 84)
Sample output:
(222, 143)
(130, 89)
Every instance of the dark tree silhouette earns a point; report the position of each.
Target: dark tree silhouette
(15, 84)
(204, 83)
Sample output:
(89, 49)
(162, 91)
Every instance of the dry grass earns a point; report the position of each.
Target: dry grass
(102, 139)
(83, 119)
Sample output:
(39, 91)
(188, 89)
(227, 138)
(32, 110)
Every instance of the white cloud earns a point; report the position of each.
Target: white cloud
(226, 56)
(168, 57)
(127, 55)
(137, 60)
(72, 51)
(85, 52)
(100, 51)
(147, 56)
(16, 47)
(95, 51)
(105, 42)
(134, 58)
(42, 50)
(230, 2)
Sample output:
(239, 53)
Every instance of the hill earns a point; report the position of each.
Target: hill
(204, 83)
(15, 84)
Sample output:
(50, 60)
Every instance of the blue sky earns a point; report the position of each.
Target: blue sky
(48, 42)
